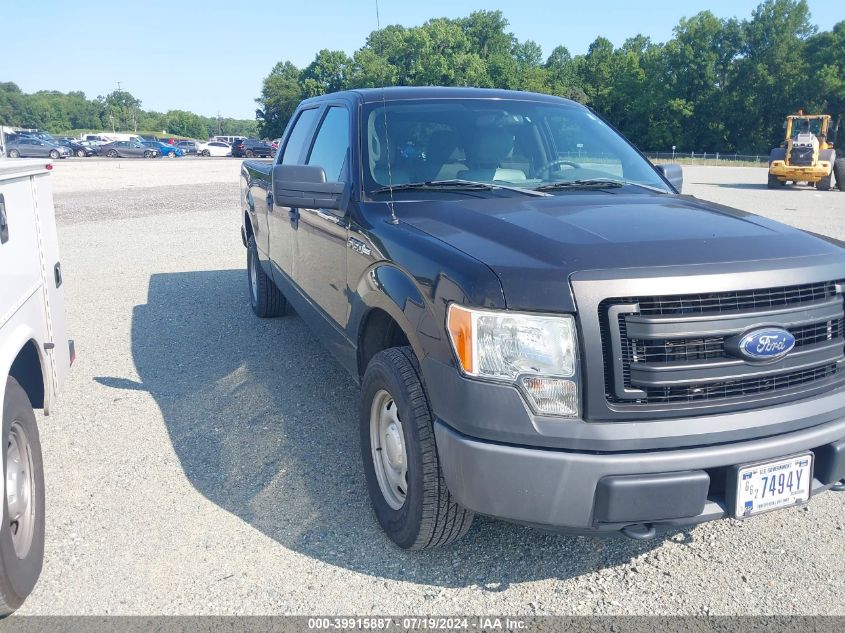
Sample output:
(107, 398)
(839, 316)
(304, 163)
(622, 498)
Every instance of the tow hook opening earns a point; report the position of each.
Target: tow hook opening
(639, 531)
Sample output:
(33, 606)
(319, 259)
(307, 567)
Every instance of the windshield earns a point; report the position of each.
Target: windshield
(520, 144)
(806, 125)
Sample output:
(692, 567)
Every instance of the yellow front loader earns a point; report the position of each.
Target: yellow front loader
(807, 154)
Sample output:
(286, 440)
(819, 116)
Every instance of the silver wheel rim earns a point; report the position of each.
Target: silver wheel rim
(387, 443)
(253, 278)
(20, 486)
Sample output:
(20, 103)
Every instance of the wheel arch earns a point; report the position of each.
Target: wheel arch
(391, 312)
(23, 360)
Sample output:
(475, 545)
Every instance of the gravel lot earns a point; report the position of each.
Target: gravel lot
(204, 461)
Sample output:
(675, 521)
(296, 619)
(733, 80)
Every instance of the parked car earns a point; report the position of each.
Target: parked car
(128, 149)
(188, 146)
(251, 147)
(170, 151)
(214, 148)
(76, 148)
(35, 358)
(34, 147)
(544, 330)
(275, 144)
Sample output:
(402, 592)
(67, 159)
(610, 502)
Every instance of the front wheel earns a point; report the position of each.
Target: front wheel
(22, 531)
(206, 153)
(826, 183)
(265, 298)
(80, 153)
(13, 153)
(249, 153)
(54, 154)
(401, 465)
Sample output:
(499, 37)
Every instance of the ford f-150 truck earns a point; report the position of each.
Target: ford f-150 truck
(35, 356)
(544, 329)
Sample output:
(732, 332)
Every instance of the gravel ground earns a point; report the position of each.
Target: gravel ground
(190, 471)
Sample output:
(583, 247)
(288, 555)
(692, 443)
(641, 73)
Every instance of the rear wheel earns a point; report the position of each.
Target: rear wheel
(22, 532)
(249, 153)
(839, 173)
(775, 183)
(826, 183)
(112, 153)
(401, 465)
(13, 153)
(205, 152)
(265, 298)
(80, 153)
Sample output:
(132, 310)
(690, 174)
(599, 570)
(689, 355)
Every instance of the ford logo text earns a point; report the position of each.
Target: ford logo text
(766, 344)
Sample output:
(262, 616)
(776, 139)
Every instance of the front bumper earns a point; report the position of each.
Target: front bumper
(593, 492)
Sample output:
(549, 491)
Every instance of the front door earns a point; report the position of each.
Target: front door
(323, 233)
(282, 222)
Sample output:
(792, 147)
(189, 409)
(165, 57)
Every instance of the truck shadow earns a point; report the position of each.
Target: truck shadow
(264, 423)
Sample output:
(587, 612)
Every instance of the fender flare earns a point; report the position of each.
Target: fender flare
(387, 287)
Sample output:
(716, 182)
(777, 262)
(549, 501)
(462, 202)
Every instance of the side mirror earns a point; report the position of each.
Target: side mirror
(306, 186)
(674, 174)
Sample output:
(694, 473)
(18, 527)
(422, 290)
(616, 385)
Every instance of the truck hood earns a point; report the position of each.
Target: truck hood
(532, 244)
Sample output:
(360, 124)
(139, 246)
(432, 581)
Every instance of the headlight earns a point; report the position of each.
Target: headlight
(536, 353)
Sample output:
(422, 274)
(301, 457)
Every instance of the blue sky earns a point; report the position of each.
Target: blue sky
(210, 56)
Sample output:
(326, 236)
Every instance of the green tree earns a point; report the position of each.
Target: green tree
(281, 92)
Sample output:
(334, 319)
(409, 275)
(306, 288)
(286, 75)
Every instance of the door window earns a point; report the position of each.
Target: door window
(331, 144)
(298, 136)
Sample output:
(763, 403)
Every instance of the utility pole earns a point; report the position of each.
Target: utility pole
(118, 86)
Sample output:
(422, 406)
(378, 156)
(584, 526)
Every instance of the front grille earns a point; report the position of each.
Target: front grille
(708, 303)
(654, 356)
(739, 388)
(801, 156)
(695, 349)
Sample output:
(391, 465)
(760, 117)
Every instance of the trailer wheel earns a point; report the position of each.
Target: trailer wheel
(22, 531)
(402, 468)
(839, 173)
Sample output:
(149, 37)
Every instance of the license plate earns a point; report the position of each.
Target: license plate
(773, 485)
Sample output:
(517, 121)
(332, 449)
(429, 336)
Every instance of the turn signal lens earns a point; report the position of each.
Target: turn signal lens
(459, 323)
(552, 396)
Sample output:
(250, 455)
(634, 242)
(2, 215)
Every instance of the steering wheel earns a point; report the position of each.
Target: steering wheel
(554, 163)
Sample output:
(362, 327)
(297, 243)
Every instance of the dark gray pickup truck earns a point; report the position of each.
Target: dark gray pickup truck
(544, 329)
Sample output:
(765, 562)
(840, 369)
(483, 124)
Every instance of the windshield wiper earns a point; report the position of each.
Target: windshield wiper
(594, 183)
(458, 184)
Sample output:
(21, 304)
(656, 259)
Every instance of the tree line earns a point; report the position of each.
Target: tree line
(67, 113)
(716, 85)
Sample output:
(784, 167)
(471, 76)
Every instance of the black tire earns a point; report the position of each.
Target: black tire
(54, 154)
(80, 153)
(774, 183)
(249, 153)
(265, 298)
(112, 153)
(19, 573)
(206, 153)
(839, 173)
(826, 183)
(13, 153)
(429, 516)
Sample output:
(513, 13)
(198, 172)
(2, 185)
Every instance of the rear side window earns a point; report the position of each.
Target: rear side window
(298, 136)
(332, 143)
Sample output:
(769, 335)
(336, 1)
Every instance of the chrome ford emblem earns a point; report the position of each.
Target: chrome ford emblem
(771, 343)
